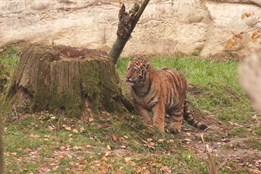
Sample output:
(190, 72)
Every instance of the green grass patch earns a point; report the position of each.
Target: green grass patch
(254, 143)
(8, 61)
(257, 130)
(10, 57)
(232, 168)
(239, 132)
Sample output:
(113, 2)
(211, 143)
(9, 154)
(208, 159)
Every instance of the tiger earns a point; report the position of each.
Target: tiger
(162, 92)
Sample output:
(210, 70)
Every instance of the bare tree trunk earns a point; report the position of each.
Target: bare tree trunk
(127, 22)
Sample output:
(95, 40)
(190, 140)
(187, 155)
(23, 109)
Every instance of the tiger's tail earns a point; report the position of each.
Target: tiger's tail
(191, 120)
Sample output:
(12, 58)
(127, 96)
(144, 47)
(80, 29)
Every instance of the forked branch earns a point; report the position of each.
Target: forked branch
(127, 22)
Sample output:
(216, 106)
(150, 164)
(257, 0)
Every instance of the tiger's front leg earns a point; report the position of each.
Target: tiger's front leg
(146, 117)
(159, 116)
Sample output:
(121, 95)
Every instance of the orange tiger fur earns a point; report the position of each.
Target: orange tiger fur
(162, 92)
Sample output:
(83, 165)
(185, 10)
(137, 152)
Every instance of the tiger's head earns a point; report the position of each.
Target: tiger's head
(137, 72)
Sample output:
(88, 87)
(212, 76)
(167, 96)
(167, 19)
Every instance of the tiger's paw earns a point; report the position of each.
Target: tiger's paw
(159, 128)
(175, 127)
(150, 130)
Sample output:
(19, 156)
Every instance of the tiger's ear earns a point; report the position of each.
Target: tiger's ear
(147, 65)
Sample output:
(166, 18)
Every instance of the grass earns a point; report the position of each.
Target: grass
(45, 142)
(10, 57)
(240, 132)
(258, 131)
(254, 143)
(8, 61)
(25, 137)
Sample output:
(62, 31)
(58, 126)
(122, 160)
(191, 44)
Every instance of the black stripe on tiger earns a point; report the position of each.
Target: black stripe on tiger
(191, 120)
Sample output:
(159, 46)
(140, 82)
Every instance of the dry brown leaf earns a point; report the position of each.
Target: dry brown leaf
(114, 138)
(108, 147)
(90, 120)
(127, 159)
(161, 140)
(104, 158)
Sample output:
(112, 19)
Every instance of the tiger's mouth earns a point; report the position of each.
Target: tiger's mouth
(130, 82)
(136, 82)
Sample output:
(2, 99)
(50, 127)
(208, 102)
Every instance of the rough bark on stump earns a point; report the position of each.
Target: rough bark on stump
(73, 80)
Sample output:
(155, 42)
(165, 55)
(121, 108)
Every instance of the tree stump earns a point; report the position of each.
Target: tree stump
(76, 81)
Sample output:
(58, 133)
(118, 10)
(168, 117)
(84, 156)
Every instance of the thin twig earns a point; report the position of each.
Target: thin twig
(212, 168)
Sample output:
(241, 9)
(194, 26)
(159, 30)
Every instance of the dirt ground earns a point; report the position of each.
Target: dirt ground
(224, 146)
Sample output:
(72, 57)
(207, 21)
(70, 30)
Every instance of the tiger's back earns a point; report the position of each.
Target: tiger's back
(175, 85)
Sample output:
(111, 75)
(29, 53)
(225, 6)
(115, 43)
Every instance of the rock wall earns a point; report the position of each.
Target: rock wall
(166, 27)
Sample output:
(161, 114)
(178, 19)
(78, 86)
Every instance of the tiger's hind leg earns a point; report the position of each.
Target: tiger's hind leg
(176, 121)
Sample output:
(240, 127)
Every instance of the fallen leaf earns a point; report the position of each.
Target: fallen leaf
(149, 139)
(123, 147)
(160, 140)
(75, 131)
(71, 163)
(114, 138)
(81, 129)
(83, 161)
(51, 128)
(108, 147)
(104, 158)
(34, 136)
(90, 120)
(186, 141)
(66, 127)
(224, 139)
(171, 141)
(152, 144)
(127, 159)
(107, 153)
